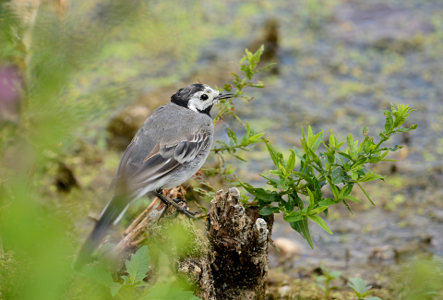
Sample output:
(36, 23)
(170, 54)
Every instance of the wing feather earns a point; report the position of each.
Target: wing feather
(164, 159)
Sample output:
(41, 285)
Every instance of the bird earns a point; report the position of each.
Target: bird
(172, 145)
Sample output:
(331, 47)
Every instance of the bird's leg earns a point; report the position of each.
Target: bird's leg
(168, 201)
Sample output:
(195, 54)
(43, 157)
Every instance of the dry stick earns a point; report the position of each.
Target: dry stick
(132, 234)
(141, 216)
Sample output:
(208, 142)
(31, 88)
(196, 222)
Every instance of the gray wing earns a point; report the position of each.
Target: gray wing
(164, 158)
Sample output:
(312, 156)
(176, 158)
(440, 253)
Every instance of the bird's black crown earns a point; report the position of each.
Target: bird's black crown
(184, 94)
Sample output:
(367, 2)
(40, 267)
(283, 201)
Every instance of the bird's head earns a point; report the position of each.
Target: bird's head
(198, 97)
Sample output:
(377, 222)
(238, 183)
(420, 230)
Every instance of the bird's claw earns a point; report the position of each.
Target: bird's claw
(175, 203)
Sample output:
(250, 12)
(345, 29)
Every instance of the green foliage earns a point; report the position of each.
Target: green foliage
(420, 280)
(236, 144)
(325, 281)
(361, 290)
(168, 292)
(137, 267)
(134, 284)
(249, 68)
(295, 184)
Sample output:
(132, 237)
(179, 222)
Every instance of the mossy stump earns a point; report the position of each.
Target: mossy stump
(237, 262)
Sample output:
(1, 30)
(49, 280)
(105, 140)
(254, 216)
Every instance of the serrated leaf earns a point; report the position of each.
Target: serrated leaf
(321, 223)
(138, 265)
(359, 286)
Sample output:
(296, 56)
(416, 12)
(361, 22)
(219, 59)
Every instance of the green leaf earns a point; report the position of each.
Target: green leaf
(266, 211)
(232, 135)
(335, 192)
(311, 198)
(389, 121)
(366, 193)
(293, 216)
(138, 266)
(168, 291)
(115, 288)
(353, 199)
(370, 176)
(327, 202)
(275, 156)
(314, 140)
(337, 175)
(291, 162)
(321, 223)
(332, 140)
(317, 210)
(98, 273)
(335, 274)
(304, 176)
(302, 227)
(359, 286)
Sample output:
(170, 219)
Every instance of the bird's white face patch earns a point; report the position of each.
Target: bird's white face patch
(200, 101)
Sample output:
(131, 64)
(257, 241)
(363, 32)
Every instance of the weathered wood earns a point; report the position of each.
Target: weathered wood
(240, 246)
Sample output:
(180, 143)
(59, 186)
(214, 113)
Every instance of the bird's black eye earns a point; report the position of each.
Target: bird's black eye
(204, 97)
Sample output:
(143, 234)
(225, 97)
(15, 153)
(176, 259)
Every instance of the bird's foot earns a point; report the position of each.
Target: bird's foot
(176, 203)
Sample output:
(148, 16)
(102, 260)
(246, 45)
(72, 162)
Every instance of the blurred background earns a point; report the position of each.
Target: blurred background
(77, 79)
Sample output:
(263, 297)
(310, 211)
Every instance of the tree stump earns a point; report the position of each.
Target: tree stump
(237, 262)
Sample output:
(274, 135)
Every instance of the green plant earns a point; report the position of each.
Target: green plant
(249, 68)
(295, 185)
(296, 190)
(325, 281)
(133, 284)
(361, 290)
(420, 279)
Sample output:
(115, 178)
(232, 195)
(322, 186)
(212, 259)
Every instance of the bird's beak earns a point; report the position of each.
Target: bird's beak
(224, 96)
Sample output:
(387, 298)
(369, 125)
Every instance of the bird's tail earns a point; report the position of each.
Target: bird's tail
(111, 214)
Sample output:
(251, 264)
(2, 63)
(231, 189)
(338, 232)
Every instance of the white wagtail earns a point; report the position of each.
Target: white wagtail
(170, 147)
